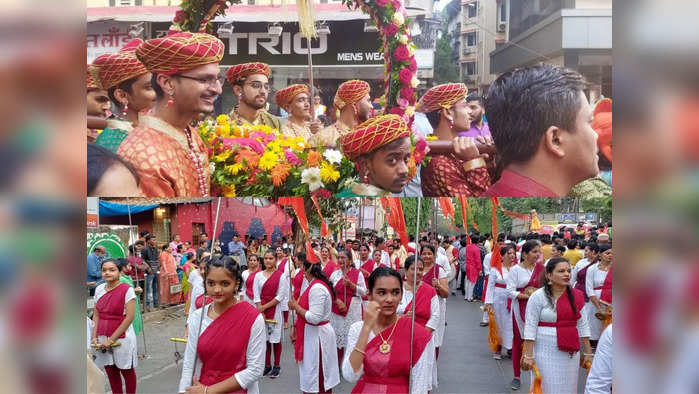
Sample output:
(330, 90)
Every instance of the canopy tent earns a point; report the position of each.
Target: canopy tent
(114, 209)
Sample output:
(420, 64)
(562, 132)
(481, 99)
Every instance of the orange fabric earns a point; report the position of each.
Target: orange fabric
(287, 95)
(464, 217)
(114, 68)
(442, 96)
(350, 92)
(373, 134)
(496, 258)
(179, 52)
(494, 340)
(395, 218)
(536, 385)
(238, 71)
(445, 176)
(323, 226)
(447, 207)
(90, 80)
(602, 124)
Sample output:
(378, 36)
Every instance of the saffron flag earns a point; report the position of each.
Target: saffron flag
(496, 258)
(297, 205)
(323, 226)
(464, 207)
(395, 218)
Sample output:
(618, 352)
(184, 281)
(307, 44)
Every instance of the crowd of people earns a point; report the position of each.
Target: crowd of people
(538, 118)
(347, 306)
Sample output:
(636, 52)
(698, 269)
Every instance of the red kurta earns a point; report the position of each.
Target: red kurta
(445, 176)
(473, 262)
(168, 276)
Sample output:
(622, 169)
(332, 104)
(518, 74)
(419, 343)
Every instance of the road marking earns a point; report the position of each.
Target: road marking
(156, 373)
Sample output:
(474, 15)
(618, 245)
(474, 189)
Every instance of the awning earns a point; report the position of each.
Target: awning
(113, 209)
(235, 13)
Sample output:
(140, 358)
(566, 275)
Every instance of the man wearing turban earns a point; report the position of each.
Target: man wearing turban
(295, 101)
(250, 83)
(352, 101)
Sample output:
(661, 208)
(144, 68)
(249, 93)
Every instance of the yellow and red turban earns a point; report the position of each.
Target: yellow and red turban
(115, 68)
(350, 92)
(602, 124)
(287, 95)
(90, 80)
(442, 96)
(179, 52)
(243, 70)
(373, 134)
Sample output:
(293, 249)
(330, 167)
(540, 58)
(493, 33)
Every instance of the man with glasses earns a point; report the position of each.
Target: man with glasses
(250, 83)
(168, 153)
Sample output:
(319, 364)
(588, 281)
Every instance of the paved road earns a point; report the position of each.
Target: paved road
(465, 364)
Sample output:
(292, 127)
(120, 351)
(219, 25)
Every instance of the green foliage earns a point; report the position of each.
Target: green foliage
(410, 213)
(601, 205)
(445, 69)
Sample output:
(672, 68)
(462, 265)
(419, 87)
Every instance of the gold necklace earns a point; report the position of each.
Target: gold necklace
(295, 129)
(385, 347)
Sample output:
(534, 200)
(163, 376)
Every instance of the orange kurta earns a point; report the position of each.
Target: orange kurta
(161, 154)
(168, 276)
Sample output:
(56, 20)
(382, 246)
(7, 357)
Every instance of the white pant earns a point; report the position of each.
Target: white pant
(469, 286)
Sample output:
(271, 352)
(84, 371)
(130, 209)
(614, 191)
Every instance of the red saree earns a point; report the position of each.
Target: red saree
(533, 282)
(301, 323)
(269, 291)
(422, 305)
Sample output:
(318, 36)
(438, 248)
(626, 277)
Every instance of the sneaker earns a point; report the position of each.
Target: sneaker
(268, 368)
(509, 353)
(516, 384)
(275, 372)
(497, 356)
(484, 324)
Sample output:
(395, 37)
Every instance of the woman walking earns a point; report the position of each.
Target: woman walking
(248, 279)
(347, 309)
(427, 304)
(498, 300)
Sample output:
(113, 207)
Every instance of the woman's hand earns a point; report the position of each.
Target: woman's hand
(435, 283)
(523, 296)
(196, 388)
(488, 307)
(106, 344)
(371, 314)
(526, 363)
(341, 305)
(138, 289)
(586, 360)
(292, 304)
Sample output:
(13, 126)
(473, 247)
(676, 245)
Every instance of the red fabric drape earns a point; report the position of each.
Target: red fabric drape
(297, 205)
(395, 218)
(566, 322)
(323, 226)
(606, 295)
(496, 258)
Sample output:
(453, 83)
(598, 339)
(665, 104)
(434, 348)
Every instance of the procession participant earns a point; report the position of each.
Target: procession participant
(315, 344)
(367, 267)
(113, 317)
(594, 282)
(540, 120)
(168, 276)
(427, 304)
(128, 85)
(436, 276)
(109, 175)
(580, 270)
(269, 289)
(380, 148)
(299, 283)
(326, 262)
(97, 102)
(196, 281)
(248, 279)
(522, 280)
(393, 257)
(463, 172)
(250, 83)
(497, 298)
(188, 266)
(347, 309)
(354, 244)
(365, 263)
(600, 378)
(381, 344)
(167, 151)
(228, 342)
(479, 127)
(553, 330)
(473, 266)
(353, 106)
(282, 258)
(318, 107)
(294, 100)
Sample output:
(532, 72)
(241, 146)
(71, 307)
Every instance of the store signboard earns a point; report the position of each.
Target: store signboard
(105, 37)
(93, 210)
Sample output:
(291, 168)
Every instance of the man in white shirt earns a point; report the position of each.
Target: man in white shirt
(379, 244)
(599, 380)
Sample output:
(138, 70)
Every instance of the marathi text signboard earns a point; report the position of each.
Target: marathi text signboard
(106, 37)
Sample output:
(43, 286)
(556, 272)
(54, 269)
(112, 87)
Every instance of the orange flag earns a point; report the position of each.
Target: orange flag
(447, 207)
(464, 207)
(496, 258)
(395, 218)
(297, 205)
(323, 226)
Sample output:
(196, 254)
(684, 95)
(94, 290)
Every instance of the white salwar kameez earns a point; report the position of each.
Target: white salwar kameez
(196, 285)
(486, 272)
(274, 330)
(576, 270)
(124, 356)
(319, 310)
(341, 324)
(517, 278)
(433, 321)
(285, 277)
(599, 380)
(559, 370)
(594, 278)
(438, 335)
(255, 353)
(243, 294)
(498, 296)
(421, 379)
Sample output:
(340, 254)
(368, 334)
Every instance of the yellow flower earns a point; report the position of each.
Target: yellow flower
(222, 156)
(268, 161)
(328, 173)
(224, 130)
(222, 119)
(228, 190)
(233, 169)
(431, 138)
(236, 132)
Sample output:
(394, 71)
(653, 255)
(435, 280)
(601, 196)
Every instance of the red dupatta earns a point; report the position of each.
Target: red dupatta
(269, 291)
(423, 309)
(369, 267)
(533, 282)
(282, 265)
(249, 282)
(301, 322)
(329, 268)
(222, 347)
(580, 279)
(566, 322)
(431, 273)
(298, 283)
(199, 301)
(606, 295)
(110, 308)
(345, 293)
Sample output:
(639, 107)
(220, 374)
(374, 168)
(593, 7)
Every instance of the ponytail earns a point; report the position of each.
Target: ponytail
(316, 271)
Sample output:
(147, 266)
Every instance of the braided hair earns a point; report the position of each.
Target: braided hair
(550, 266)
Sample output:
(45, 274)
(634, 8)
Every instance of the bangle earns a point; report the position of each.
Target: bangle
(588, 354)
(528, 358)
(359, 351)
(205, 388)
(473, 164)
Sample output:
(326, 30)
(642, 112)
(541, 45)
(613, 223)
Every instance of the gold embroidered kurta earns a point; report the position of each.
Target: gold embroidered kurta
(262, 118)
(293, 130)
(160, 153)
(330, 136)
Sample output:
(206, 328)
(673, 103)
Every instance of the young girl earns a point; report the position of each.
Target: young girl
(379, 359)
(347, 308)
(497, 298)
(229, 345)
(427, 304)
(269, 290)
(115, 305)
(315, 339)
(248, 279)
(285, 267)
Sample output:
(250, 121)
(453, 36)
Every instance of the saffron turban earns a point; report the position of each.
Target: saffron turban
(442, 96)
(287, 95)
(350, 92)
(179, 52)
(243, 70)
(373, 134)
(114, 68)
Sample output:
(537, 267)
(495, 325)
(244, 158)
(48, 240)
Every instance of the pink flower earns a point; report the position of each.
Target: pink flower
(396, 111)
(382, 3)
(322, 193)
(407, 93)
(413, 65)
(401, 53)
(397, 4)
(405, 76)
(291, 158)
(421, 150)
(390, 29)
(180, 16)
(402, 103)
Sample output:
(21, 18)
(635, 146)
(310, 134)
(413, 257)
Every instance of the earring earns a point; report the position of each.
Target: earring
(451, 123)
(550, 282)
(171, 101)
(366, 177)
(126, 107)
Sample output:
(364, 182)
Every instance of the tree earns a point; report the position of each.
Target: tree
(601, 205)
(410, 213)
(445, 68)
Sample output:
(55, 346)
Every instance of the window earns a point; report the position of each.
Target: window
(502, 12)
(469, 68)
(251, 2)
(472, 9)
(470, 39)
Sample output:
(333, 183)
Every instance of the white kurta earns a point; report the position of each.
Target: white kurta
(486, 272)
(124, 356)
(341, 324)
(255, 353)
(285, 277)
(319, 339)
(559, 370)
(433, 321)
(274, 331)
(517, 278)
(196, 285)
(242, 294)
(421, 379)
(576, 270)
(599, 380)
(498, 296)
(594, 278)
(439, 333)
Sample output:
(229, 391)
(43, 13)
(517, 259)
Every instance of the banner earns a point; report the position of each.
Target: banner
(395, 218)
(323, 226)
(496, 258)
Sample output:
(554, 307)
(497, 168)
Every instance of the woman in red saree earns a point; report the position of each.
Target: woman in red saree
(427, 305)
(228, 342)
(285, 267)
(168, 277)
(115, 306)
(379, 359)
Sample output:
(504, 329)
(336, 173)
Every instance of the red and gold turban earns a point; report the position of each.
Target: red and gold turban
(442, 96)
(602, 124)
(350, 92)
(373, 134)
(285, 96)
(179, 52)
(243, 70)
(90, 80)
(115, 68)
